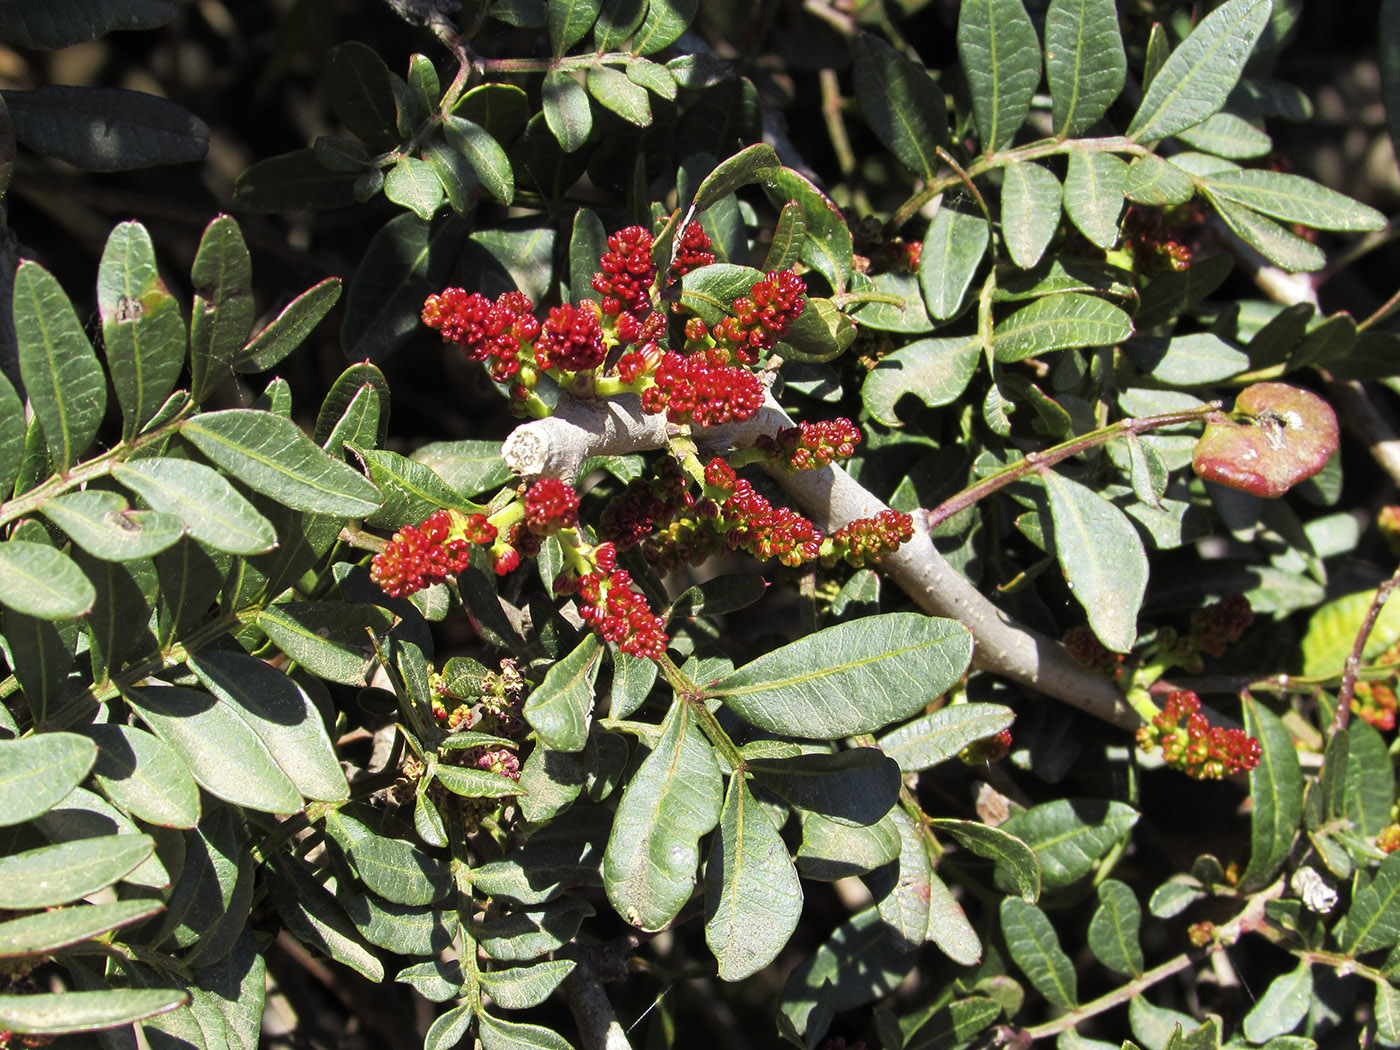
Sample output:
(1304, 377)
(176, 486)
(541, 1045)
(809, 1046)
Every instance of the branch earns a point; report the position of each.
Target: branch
(558, 445)
(598, 1026)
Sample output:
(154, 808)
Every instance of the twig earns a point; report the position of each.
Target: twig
(1352, 667)
(598, 1027)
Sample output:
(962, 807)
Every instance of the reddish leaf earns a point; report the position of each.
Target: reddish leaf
(1277, 436)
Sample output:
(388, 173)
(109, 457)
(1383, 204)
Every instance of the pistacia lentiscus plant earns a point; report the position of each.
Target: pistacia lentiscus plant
(675, 705)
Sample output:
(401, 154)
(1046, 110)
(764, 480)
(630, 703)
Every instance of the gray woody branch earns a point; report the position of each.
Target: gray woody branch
(557, 446)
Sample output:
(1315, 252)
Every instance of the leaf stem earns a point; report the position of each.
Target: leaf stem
(1352, 667)
(1036, 462)
(694, 696)
(1030, 151)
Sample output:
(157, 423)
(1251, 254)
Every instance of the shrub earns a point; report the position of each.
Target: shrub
(829, 528)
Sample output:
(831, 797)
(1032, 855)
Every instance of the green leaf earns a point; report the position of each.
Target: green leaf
(953, 248)
(1102, 557)
(1226, 135)
(832, 851)
(298, 181)
(485, 155)
(357, 86)
(355, 411)
(12, 436)
(214, 512)
(283, 717)
(528, 933)
(1387, 1012)
(106, 129)
(49, 931)
(753, 898)
(1000, 56)
(1283, 1005)
(1058, 322)
(1200, 74)
(858, 963)
(330, 639)
(49, 875)
(274, 457)
(1370, 780)
(62, 377)
(567, 110)
(226, 757)
(919, 907)
(222, 319)
(407, 260)
(1113, 931)
(62, 23)
(857, 786)
(39, 581)
(1294, 199)
(411, 490)
(1374, 918)
(654, 77)
(1070, 836)
(1190, 360)
(313, 917)
(1276, 786)
(1157, 182)
(827, 247)
(103, 525)
(710, 291)
(57, 1013)
(496, 1034)
(144, 776)
(671, 801)
(616, 92)
(957, 1024)
(558, 708)
(143, 334)
(617, 21)
(901, 103)
(666, 20)
(413, 184)
(37, 772)
(475, 783)
(570, 21)
(1084, 62)
(396, 870)
(936, 371)
(1035, 948)
(1030, 211)
(1094, 195)
(521, 987)
(852, 678)
(1013, 857)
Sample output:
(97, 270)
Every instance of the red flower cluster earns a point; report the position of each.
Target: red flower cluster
(571, 338)
(1388, 838)
(421, 555)
(492, 333)
(550, 505)
(703, 389)
(809, 446)
(1220, 625)
(1086, 649)
(759, 319)
(1153, 238)
(694, 250)
(1376, 703)
(1191, 744)
(626, 273)
(866, 540)
(500, 761)
(619, 614)
(750, 523)
(987, 750)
